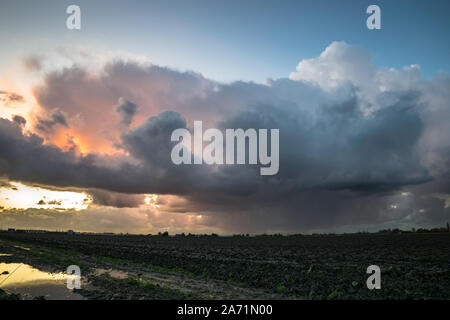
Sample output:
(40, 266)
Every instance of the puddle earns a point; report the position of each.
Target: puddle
(30, 282)
(113, 273)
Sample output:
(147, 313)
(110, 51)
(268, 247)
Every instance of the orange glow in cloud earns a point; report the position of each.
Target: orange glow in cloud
(22, 108)
(67, 138)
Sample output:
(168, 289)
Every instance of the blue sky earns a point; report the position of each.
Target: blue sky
(235, 40)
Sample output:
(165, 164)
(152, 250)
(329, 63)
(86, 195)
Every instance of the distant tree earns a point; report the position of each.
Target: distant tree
(448, 227)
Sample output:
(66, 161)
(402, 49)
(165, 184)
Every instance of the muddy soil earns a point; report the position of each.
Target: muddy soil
(413, 266)
(111, 279)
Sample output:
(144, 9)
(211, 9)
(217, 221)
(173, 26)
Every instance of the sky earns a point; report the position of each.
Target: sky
(248, 40)
(86, 115)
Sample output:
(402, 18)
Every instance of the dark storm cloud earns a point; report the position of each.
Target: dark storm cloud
(341, 148)
(126, 110)
(350, 143)
(114, 199)
(26, 158)
(151, 145)
(19, 120)
(46, 164)
(300, 193)
(47, 124)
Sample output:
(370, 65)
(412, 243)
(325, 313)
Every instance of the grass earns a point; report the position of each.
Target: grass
(147, 265)
(333, 295)
(111, 259)
(148, 287)
(53, 257)
(151, 286)
(160, 268)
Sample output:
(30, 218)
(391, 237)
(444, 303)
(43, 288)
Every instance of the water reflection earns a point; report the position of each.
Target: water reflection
(30, 282)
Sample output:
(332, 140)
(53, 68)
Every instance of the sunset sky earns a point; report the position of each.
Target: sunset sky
(86, 115)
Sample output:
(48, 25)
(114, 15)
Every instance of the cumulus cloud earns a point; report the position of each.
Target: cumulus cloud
(148, 171)
(126, 110)
(47, 124)
(337, 65)
(353, 138)
(115, 199)
(19, 120)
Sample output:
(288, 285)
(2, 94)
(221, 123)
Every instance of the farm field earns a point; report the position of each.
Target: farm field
(413, 266)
